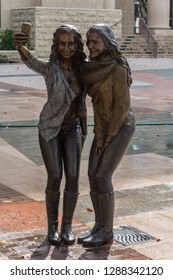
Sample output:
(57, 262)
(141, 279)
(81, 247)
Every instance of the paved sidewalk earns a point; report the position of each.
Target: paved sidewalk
(143, 181)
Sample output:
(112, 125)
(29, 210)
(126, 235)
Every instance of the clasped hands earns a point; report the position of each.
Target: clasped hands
(101, 144)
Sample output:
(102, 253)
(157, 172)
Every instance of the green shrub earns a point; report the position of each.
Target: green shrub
(6, 39)
(4, 59)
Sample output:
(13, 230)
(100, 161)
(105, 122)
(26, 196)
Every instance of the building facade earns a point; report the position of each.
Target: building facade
(127, 6)
(160, 12)
(45, 21)
(46, 15)
(7, 6)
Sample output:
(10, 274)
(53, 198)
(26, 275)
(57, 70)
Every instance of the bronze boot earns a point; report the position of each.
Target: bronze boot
(69, 205)
(105, 233)
(95, 203)
(52, 205)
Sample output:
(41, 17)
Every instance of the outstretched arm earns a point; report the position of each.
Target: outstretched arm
(21, 40)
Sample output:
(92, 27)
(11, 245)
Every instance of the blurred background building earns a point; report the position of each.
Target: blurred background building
(142, 28)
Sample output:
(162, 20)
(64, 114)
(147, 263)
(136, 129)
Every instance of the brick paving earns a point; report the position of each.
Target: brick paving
(23, 89)
(23, 229)
(160, 89)
(23, 225)
(33, 245)
(8, 195)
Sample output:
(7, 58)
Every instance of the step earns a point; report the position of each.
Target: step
(135, 45)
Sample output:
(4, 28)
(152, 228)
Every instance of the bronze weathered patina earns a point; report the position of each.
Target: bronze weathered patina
(108, 78)
(62, 123)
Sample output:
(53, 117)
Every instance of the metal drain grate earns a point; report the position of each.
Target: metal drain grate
(127, 235)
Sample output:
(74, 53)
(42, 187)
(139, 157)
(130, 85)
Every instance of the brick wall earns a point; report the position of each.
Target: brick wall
(45, 21)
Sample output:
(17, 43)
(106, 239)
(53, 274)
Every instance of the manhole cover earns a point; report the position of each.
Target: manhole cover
(127, 235)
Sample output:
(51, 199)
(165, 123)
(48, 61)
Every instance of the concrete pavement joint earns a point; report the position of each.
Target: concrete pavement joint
(142, 181)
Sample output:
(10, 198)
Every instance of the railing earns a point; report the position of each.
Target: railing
(146, 34)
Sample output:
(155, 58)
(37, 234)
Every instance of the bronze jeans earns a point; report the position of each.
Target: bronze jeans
(101, 167)
(64, 151)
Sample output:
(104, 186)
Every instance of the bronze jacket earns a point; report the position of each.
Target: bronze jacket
(112, 105)
(59, 98)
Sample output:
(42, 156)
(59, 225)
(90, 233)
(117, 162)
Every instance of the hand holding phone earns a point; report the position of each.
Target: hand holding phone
(23, 37)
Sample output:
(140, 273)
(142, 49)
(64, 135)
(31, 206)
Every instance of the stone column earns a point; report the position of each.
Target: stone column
(171, 13)
(158, 14)
(109, 4)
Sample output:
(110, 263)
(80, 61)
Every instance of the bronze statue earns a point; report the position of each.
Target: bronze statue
(62, 123)
(108, 78)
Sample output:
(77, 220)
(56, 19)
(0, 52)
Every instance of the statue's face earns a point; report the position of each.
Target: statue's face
(95, 44)
(67, 46)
